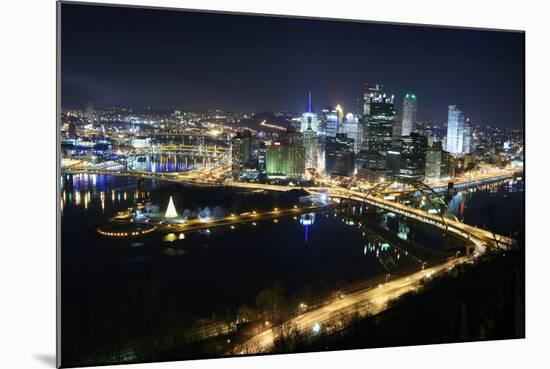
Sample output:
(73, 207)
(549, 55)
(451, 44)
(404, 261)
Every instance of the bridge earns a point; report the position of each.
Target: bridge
(479, 238)
(200, 150)
(364, 297)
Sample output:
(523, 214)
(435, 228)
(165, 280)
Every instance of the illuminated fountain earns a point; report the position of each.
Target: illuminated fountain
(171, 210)
(306, 220)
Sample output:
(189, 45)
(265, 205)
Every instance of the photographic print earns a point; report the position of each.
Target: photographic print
(246, 184)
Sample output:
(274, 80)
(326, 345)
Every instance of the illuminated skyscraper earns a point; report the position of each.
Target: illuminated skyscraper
(310, 145)
(340, 112)
(339, 155)
(241, 152)
(455, 130)
(467, 140)
(309, 118)
(413, 156)
(329, 118)
(353, 129)
(380, 124)
(409, 114)
(285, 161)
(286, 158)
(371, 91)
(433, 162)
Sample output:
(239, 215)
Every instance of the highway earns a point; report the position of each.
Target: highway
(334, 315)
(366, 299)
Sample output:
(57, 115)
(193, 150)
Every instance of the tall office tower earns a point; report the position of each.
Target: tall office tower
(329, 119)
(371, 91)
(397, 127)
(413, 157)
(340, 112)
(261, 157)
(286, 158)
(380, 124)
(309, 118)
(339, 156)
(409, 114)
(467, 138)
(241, 148)
(447, 165)
(371, 166)
(393, 162)
(455, 130)
(310, 146)
(353, 129)
(285, 161)
(433, 162)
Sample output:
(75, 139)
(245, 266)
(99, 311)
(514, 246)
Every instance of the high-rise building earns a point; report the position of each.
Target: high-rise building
(340, 112)
(433, 162)
(467, 138)
(353, 129)
(455, 130)
(286, 158)
(285, 161)
(413, 156)
(447, 165)
(380, 123)
(339, 155)
(241, 152)
(393, 162)
(371, 91)
(329, 121)
(309, 118)
(311, 146)
(408, 121)
(261, 157)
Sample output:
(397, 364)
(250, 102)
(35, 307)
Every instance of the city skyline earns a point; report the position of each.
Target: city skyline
(107, 61)
(235, 185)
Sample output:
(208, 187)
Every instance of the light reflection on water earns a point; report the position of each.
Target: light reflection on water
(83, 191)
(157, 163)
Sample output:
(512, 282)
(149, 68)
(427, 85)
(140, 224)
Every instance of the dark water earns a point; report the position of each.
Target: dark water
(499, 207)
(228, 267)
(206, 270)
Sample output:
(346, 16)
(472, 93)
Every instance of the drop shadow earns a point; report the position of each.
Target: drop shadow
(48, 359)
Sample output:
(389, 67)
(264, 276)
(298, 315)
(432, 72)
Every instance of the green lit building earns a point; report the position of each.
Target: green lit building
(285, 161)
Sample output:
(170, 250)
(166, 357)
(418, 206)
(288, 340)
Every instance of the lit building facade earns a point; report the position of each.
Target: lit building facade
(408, 120)
(413, 157)
(329, 119)
(467, 139)
(309, 118)
(310, 146)
(285, 161)
(369, 93)
(353, 129)
(455, 130)
(380, 123)
(241, 152)
(433, 162)
(339, 155)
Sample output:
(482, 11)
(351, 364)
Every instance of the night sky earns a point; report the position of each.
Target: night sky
(198, 61)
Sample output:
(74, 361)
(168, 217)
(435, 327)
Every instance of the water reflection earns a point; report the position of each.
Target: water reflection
(168, 162)
(84, 191)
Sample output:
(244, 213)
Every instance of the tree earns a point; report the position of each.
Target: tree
(270, 302)
(246, 314)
